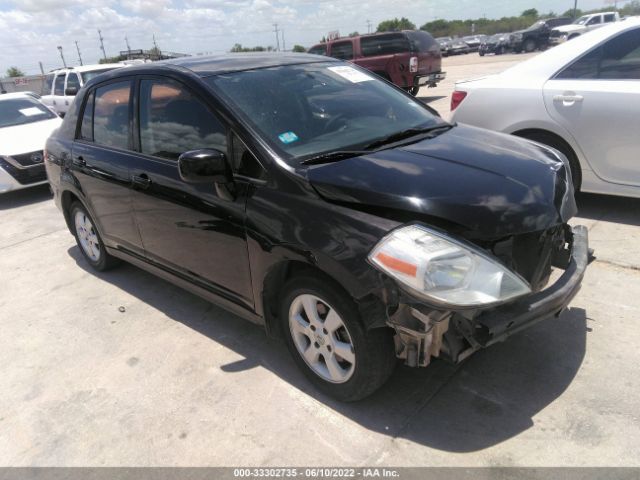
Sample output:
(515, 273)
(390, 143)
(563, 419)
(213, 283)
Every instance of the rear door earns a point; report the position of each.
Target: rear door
(57, 99)
(196, 230)
(597, 99)
(101, 159)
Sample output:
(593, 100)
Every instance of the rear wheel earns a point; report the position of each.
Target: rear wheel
(328, 342)
(88, 239)
(530, 45)
(413, 90)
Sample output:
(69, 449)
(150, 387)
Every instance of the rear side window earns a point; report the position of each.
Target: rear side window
(59, 86)
(609, 17)
(73, 81)
(318, 50)
(111, 115)
(173, 121)
(617, 59)
(342, 50)
(86, 128)
(384, 44)
(48, 84)
(423, 42)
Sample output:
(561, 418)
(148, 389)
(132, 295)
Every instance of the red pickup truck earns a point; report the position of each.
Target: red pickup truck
(410, 59)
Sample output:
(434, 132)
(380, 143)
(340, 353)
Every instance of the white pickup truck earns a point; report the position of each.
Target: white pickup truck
(582, 25)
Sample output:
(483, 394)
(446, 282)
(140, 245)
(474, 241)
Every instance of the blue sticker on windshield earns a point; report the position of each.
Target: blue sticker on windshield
(288, 137)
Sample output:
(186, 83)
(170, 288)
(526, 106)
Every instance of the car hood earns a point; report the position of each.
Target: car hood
(26, 138)
(485, 185)
(569, 28)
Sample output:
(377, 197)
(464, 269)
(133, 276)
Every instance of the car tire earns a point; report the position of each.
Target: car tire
(530, 45)
(481, 54)
(553, 142)
(89, 240)
(321, 323)
(413, 90)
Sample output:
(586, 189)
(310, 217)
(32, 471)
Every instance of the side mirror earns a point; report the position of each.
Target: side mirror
(71, 91)
(204, 166)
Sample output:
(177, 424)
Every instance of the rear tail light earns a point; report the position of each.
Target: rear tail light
(456, 99)
(413, 64)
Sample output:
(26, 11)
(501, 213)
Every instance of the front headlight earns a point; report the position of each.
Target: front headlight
(444, 270)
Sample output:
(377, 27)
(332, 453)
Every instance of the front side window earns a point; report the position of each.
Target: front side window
(384, 44)
(19, 111)
(48, 84)
(173, 121)
(616, 59)
(59, 85)
(73, 81)
(594, 20)
(342, 50)
(311, 109)
(111, 115)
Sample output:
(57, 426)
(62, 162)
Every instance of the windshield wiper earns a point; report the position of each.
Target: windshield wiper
(408, 133)
(333, 156)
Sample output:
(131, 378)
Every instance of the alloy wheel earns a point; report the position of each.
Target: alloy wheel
(87, 236)
(322, 339)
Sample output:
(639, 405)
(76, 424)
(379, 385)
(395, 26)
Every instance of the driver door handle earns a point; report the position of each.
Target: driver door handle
(568, 98)
(141, 181)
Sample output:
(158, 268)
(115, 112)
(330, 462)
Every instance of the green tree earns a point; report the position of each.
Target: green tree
(299, 49)
(354, 34)
(14, 72)
(111, 59)
(531, 12)
(395, 25)
(569, 13)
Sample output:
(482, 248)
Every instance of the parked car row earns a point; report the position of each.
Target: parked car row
(458, 46)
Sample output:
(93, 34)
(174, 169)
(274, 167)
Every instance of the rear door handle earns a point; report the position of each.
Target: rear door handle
(568, 99)
(141, 181)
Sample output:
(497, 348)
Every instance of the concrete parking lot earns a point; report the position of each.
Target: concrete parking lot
(122, 368)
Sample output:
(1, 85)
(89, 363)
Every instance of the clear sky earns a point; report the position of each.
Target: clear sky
(31, 30)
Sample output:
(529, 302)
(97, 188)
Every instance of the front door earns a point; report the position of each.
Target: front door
(196, 230)
(597, 99)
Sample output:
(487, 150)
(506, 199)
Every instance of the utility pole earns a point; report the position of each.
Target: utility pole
(575, 8)
(128, 47)
(41, 68)
(283, 47)
(368, 26)
(104, 54)
(277, 37)
(78, 49)
(62, 56)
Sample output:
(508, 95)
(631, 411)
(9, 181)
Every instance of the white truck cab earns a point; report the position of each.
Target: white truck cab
(61, 85)
(582, 25)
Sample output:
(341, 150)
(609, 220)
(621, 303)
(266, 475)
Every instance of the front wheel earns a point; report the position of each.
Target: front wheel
(530, 46)
(324, 334)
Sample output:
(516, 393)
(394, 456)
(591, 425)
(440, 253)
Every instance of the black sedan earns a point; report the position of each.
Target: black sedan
(310, 196)
(497, 44)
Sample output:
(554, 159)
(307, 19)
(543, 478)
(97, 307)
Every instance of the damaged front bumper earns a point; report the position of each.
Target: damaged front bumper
(422, 333)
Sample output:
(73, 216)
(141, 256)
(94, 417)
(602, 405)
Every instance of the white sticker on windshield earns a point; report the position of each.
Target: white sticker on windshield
(351, 74)
(31, 111)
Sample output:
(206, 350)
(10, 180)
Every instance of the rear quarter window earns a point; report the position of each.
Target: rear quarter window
(422, 42)
(318, 50)
(342, 50)
(384, 44)
(48, 84)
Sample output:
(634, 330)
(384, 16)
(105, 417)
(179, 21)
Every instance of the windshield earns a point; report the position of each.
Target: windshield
(86, 76)
(20, 111)
(312, 109)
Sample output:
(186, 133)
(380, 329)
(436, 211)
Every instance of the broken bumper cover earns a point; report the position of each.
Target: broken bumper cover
(501, 322)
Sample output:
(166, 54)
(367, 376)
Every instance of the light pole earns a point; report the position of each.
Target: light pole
(62, 56)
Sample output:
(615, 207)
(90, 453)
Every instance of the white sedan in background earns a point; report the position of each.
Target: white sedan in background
(25, 125)
(581, 98)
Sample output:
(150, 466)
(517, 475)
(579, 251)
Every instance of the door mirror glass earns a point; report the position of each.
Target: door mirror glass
(71, 91)
(204, 166)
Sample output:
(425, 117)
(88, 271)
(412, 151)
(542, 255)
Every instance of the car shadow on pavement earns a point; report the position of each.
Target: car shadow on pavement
(488, 399)
(609, 208)
(24, 197)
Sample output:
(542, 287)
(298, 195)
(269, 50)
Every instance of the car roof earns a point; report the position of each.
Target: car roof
(8, 96)
(234, 62)
(89, 68)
